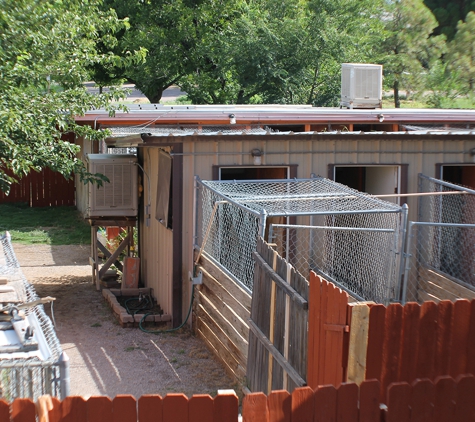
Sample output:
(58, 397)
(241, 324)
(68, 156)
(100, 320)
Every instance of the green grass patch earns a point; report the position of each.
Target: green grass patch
(46, 225)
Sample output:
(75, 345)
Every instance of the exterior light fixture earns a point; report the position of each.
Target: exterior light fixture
(232, 119)
(381, 117)
(256, 154)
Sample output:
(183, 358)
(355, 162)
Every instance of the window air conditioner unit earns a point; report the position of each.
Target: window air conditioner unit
(361, 85)
(119, 198)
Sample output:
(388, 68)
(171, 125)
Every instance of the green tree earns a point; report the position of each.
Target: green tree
(448, 14)
(46, 51)
(284, 53)
(461, 52)
(407, 49)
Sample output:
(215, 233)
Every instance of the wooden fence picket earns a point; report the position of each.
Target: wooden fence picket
(4, 411)
(369, 401)
(225, 407)
(23, 410)
(254, 408)
(124, 408)
(175, 408)
(200, 408)
(303, 403)
(471, 341)
(347, 403)
(427, 341)
(325, 403)
(444, 408)
(280, 406)
(409, 342)
(150, 408)
(465, 405)
(444, 327)
(99, 408)
(374, 357)
(422, 402)
(459, 338)
(398, 402)
(74, 409)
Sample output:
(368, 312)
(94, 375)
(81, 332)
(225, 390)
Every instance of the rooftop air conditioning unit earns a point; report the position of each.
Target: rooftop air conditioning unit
(119, 198)
(361, 85)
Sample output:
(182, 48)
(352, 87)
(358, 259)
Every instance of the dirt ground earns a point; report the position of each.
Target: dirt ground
(106, 359)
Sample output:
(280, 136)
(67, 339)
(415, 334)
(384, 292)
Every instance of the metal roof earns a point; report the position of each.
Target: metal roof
(156, 114)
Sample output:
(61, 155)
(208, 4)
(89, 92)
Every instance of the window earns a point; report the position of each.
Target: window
(164, 203)
(373, 179)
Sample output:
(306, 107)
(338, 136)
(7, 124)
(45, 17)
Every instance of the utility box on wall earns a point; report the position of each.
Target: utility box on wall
(361, 85)
(119, 198)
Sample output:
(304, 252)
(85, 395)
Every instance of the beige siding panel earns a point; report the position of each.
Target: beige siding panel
(156, 240)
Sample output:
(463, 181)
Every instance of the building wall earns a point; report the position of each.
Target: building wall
(156, 241)
(421, 154)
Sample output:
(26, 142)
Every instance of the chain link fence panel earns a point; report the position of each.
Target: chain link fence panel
(36, 373)
(441, 245)
(232, 214)
(358, 253)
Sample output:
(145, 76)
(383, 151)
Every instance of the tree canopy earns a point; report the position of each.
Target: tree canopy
(448, 14)
(46, 53)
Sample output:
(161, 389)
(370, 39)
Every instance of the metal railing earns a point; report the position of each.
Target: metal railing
(30, 375)
(230, 215)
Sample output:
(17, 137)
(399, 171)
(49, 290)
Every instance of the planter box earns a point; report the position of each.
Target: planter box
(126, 320)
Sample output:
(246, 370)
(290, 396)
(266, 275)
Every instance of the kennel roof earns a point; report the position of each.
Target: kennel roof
(289, 197)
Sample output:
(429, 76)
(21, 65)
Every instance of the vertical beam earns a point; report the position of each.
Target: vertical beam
(177, 212)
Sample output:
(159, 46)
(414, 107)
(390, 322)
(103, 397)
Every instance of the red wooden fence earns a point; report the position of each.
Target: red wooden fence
(43, 189)
(420, 341)
(328, 328)
(444, 400)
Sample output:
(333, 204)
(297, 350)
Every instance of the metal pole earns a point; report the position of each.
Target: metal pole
(64, 376)
(262, 223)
(408, 256)
(402, 247)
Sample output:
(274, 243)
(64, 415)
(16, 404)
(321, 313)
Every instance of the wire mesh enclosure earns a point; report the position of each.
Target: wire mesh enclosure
(34, 373)
(337, 224)
(441, 245)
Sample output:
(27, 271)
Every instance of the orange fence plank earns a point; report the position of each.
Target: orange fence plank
(279, 403)
(23, 410)
(374, 356)
(471, 341)
(369, 401)
(4, 411)
(391, 346)
(459, 342)
(444, 407)
(422, 402)
(427, 341)
(175, 408)
(409, 342)
(99, 408)
(347, 403)
(320, 345)
(200, 408)
(150, 408)
(124, 408)
(313, 330)
(325, 403)
(226, 408)
(444, 329)
(254, 408)
(464, 394)
(54, 414)
(73, 409)
(303, 404)
(398, 402)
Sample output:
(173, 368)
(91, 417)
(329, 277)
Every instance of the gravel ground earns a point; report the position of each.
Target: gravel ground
(106, 359)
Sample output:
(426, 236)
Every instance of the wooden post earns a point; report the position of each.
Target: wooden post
(358, 342)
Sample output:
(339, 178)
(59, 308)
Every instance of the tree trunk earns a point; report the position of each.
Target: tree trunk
(397, 101)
